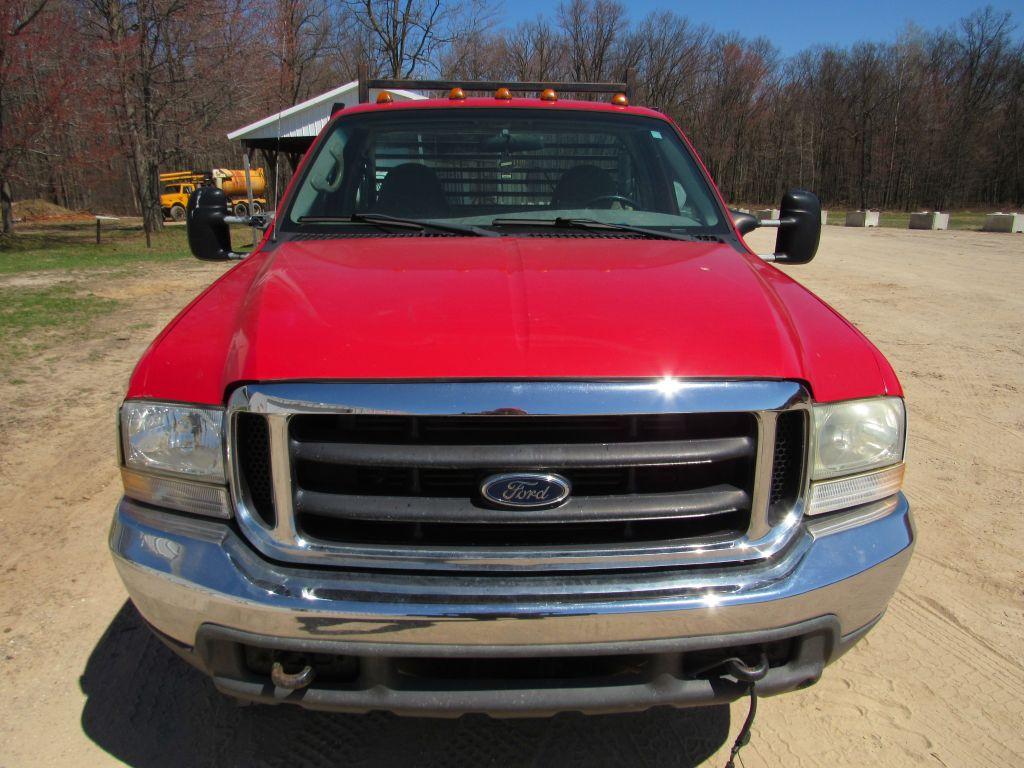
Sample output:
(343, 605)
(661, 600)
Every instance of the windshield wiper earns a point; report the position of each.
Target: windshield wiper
(590, 224)
(383, 221)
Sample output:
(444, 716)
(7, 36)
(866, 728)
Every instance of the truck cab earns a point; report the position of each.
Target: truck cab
(173, 200)
(503, 415)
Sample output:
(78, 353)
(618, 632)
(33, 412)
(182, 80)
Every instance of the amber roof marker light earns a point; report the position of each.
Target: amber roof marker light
(503, 94)
(384, 98)
(456, 94)
(548, 94)
(620, 100)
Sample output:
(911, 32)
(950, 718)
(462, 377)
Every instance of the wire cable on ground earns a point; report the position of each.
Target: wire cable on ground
(743, 737)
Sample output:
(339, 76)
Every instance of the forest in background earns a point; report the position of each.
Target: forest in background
(98, 96)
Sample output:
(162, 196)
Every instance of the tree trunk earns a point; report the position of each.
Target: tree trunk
(6, 204)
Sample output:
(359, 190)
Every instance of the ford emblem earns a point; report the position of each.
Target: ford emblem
(527, 490)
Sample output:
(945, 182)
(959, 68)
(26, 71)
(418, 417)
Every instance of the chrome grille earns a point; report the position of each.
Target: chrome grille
(348, 480)
(416, 480)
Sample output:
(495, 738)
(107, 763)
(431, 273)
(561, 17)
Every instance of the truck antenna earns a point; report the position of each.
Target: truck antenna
(277, 155)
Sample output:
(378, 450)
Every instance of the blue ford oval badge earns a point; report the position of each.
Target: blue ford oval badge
(525, 490)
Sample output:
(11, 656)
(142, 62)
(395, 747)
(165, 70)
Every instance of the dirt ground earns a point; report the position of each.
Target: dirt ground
(939, 682)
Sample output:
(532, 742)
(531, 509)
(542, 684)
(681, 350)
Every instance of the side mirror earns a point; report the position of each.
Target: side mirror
(209, 237)
(799, 227)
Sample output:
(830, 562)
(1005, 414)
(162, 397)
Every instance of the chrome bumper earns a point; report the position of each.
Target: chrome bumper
(183, 573)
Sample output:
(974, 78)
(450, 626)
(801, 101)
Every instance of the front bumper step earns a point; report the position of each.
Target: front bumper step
(200, 585)
(687, 673)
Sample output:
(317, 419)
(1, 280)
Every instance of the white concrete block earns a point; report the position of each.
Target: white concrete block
(1004, 222)
(767, 213)
(929, 220)
(862, 219)
(824, 218)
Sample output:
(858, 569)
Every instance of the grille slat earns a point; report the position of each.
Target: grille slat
(515, 429)
(515, 457)
(718, 500)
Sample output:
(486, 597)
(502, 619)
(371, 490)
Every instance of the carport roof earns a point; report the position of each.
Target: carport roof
(300, 124)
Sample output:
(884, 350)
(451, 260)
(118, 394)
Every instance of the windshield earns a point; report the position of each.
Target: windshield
(484, 167)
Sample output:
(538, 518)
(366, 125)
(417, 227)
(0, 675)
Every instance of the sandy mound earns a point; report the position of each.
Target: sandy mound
(43, 210)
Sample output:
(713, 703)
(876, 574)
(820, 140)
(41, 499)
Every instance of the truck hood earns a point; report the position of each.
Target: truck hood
(506, 308)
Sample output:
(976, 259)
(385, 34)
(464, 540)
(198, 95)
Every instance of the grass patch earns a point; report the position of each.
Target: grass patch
(73, 246)
(27, 314)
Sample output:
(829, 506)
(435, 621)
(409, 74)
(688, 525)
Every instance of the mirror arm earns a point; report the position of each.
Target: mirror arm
(774, 223)
(259, 220)
(746, 223)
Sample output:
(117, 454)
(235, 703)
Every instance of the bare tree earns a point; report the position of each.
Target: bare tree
(15, 18)
(131, 33)
(474, 55)
(409, 34)
(590, 28)
(301, 39)
(972, 75)
(535, 51)
(672, 61)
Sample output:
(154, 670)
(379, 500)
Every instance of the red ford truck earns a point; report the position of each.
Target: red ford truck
(503, 415)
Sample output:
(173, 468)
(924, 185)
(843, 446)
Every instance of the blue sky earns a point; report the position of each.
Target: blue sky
(793, 25)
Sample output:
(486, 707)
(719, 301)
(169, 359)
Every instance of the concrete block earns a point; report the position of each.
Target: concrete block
(862, 219)
(929, 220)
(824, 218)
(1004, 222)
(767, 213)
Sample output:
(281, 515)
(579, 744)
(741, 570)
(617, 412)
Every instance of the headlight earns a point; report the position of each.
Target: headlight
(859, 446)
(162, 439)
(858, 435)
(173, 438)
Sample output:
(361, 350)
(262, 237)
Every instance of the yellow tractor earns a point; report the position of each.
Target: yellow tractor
(178, 185)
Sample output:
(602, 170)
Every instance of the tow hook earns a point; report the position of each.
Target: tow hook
(738, 668)
(289, 680)
(747, 673)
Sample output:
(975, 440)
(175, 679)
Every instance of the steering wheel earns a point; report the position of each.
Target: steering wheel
(612, 199)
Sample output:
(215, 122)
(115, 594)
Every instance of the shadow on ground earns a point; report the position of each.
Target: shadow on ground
(148, 708)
